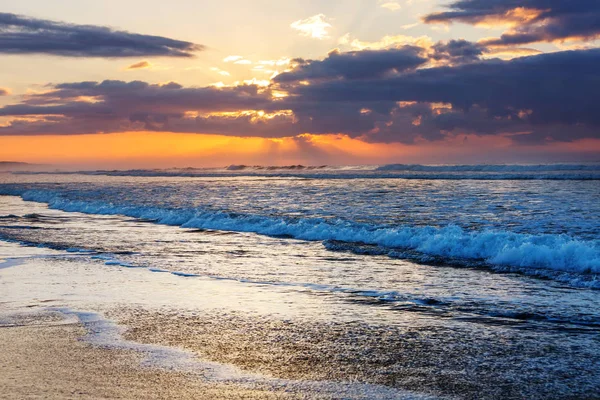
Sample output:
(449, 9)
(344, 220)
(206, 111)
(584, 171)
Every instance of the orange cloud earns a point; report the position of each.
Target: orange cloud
(139, 65)
(511, 18)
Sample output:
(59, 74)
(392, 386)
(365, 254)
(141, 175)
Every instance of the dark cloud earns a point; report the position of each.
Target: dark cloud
(112, 106)
(535, 20)
(559, 87)
(4, 92)
(123, 97)
(23, 35)
(551, 95)
(457, 51)
(356, 65)
(535, 99)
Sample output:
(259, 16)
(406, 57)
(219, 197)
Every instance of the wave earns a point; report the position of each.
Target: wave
(276, 167)
(409, 176)
(490, 167)
(392, 171)
(501, 250)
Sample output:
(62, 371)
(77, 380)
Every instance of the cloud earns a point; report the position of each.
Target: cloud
(390, 95)
(457, 51)
(24, 35)
(552, 95)
(220, 71)
(4, 92)
(440, 53)
(391, 5)
(315, 27)
(280, 62)
(114, 106)
(356, 65)
(529, 21)
(139, 65)
(386, 42)
(232, 58)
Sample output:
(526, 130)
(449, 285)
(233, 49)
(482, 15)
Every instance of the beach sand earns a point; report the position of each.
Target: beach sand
(42, 357)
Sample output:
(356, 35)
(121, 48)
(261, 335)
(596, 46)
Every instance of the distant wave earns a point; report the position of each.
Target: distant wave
(393, 171)
(276, 168)
(490, 167)
(501, 249)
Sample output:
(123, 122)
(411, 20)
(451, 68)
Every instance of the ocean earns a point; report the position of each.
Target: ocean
(472, 281)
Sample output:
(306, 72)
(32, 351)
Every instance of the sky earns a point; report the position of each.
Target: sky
(141, 84)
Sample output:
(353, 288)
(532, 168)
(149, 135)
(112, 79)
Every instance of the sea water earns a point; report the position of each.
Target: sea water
(476, 247)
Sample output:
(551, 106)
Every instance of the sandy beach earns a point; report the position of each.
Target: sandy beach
(67, 333)
(42, 357)
(110, 306)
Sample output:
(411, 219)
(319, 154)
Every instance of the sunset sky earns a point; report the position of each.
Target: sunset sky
(133, 83)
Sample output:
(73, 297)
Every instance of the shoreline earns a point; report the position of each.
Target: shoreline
(63, 353)
(43, 357)
(62, 347)
(231, 327)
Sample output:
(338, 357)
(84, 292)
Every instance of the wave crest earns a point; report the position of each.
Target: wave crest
(526, 252)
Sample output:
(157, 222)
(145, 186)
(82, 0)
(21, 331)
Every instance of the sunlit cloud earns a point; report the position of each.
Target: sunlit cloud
(385, 42)
(390, 5)
(257, 82)
(232, 58)
(410, 26)
(315, 27)
(220, 71)
(263, 70)
(508, 53)
(577, 45)
(533, 21)
(279, 62)
(262, 83)
(4, 92)
(440, 28)
(237, 60)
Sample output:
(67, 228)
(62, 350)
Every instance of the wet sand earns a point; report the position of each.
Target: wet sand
(512, 364)
(42, 354)
(41, 357)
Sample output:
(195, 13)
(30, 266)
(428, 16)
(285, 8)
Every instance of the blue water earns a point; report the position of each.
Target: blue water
(543, 226)
(495, 260)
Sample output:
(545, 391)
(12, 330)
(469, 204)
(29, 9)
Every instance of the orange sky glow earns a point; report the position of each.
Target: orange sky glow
(165, 149)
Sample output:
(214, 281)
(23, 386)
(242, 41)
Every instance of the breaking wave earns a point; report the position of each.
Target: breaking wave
(501, 250)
